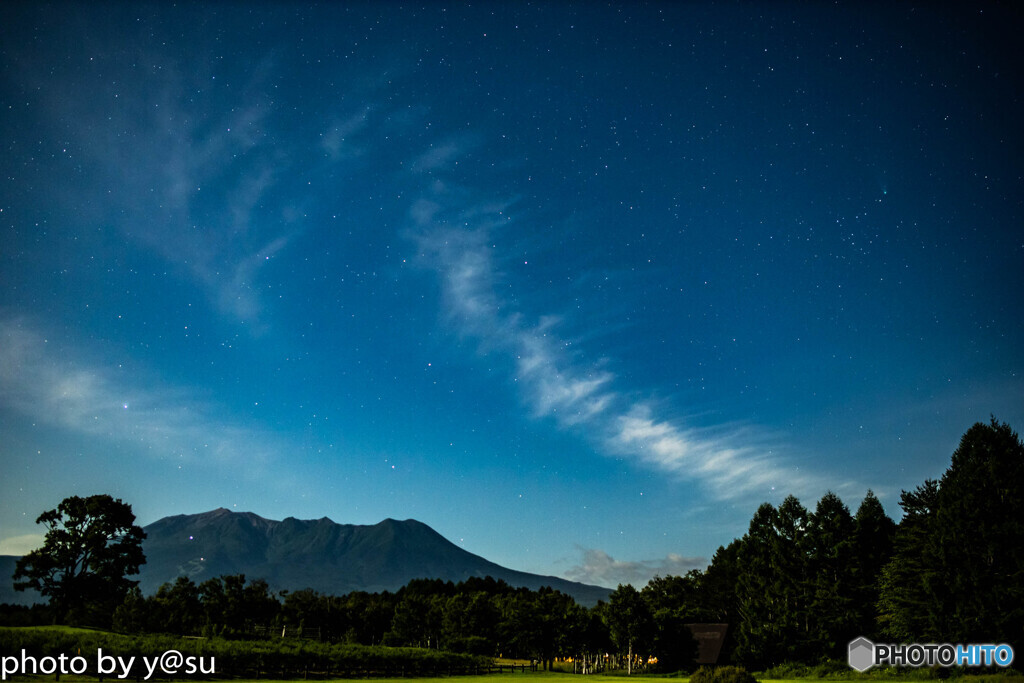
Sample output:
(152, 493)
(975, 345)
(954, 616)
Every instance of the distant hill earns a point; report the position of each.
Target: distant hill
(7, 593)
(293, 554)
(320, 554)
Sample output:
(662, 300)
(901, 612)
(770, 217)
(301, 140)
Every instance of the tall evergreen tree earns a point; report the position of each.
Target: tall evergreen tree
(956, 572)
(873, 540)
(791, 580)
(910, 580)
(980, 537)
(833, 610)
(717, 600)
(757, 638)
(717, 596)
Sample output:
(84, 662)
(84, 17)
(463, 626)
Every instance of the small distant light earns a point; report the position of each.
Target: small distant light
(190, 538)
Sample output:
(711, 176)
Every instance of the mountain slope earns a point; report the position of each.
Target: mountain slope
(320, 554)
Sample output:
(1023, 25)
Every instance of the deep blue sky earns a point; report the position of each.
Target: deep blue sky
(577, 285)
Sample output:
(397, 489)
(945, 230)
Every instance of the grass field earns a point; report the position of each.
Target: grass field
(555, 677)
(539, 677)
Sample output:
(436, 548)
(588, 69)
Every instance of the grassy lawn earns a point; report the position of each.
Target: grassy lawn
(53, 629)
(538, 677)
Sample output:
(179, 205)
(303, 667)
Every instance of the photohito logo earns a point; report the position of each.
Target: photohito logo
(863, 654)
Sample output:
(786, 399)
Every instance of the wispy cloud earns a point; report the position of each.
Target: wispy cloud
(456, 238)
(48, 382)
(730, 461)
(338, 141)
(182, 166)
(557, 386)
(238, 293)
(208, 184)
(599, 568)
(443, 154)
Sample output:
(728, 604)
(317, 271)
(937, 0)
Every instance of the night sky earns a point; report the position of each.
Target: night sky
(577, 285)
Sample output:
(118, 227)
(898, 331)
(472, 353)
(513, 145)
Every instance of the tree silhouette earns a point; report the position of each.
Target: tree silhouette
(832, 558)
(978, 538)
(91, 545)
(873, 537)
(908, 582)
(956, 570)
(629, 621)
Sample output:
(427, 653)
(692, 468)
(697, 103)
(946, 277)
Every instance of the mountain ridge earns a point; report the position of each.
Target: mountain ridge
(321, 554)
(327, 556)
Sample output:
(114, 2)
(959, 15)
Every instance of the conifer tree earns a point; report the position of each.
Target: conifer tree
(908, 581)
(979, 534)
(757, 637)
(833, 609)
(873, 537)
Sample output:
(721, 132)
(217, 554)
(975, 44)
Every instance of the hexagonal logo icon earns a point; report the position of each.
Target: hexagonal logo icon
(861, 654)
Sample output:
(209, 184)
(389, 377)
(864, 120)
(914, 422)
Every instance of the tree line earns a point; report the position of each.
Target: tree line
(798, 586)
(801, 584)
(479, 616)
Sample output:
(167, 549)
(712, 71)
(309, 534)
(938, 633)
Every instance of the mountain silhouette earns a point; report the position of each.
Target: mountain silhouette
(328, 557)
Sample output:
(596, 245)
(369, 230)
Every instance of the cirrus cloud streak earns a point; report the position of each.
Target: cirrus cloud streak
(729, 461)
